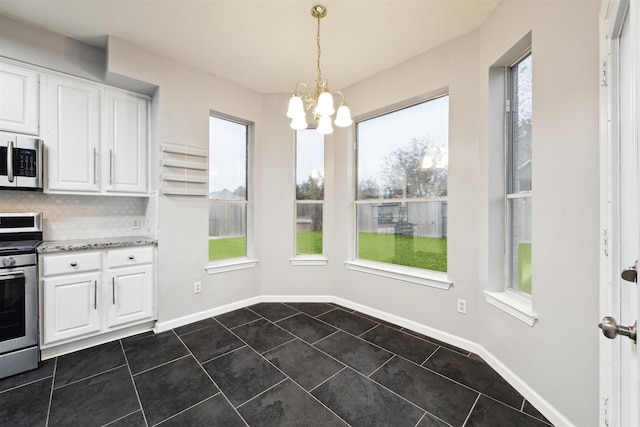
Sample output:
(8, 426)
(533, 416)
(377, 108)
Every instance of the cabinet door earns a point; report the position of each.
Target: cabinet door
(125, 158)
(71, 307)
(71, 133)
(18, 99)
(130, 295)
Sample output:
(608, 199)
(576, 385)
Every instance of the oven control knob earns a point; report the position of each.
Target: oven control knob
(9, 262)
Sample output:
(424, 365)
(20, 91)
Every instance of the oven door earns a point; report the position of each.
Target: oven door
(18, 315)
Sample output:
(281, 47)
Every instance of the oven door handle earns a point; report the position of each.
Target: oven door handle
(12, 275)
(10, 162)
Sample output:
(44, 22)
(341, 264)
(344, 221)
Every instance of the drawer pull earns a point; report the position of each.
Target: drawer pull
(74, 264)
(131, 257)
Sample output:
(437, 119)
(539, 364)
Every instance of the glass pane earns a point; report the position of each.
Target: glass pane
(520, 245)
(227, 230)
(227, 160)
(413, 234)
(309, 165)
(404, 154)
(520, 127)
(309, 228)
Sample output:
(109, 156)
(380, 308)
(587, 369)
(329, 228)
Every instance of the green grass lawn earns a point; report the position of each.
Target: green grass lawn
(420, 252)
(524, 267)
(232, 247)
(309, 243)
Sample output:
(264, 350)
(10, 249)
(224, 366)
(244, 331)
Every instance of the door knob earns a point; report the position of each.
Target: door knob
(611, 329)
(630, 274)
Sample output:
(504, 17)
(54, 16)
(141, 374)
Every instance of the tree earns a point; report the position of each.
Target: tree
(311, 189)
(415, 170)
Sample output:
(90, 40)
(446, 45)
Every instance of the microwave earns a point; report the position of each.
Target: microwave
(20, 162)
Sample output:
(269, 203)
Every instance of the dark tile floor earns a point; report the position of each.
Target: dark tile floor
(271, 364)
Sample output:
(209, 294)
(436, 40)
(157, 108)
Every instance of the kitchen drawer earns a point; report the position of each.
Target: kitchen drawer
(67, 263)
(124, 257)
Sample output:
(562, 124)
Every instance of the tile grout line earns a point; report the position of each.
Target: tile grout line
(53, 379)
(209, 376)
(123, 417)
(90, 376)
(133, 382)
(429, 356)
(471, 410)
(286, 377)
(186, 409)
(162, 364)
(25, 384)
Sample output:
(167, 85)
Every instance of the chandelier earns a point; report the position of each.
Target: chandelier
(320, 101)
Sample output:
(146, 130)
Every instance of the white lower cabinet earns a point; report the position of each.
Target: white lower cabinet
(131, 296)
(71, 306)
(88, 293)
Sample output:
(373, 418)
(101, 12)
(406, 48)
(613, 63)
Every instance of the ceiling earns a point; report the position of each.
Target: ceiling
(265, 45)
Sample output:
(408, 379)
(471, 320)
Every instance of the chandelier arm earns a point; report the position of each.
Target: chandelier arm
(344, 99)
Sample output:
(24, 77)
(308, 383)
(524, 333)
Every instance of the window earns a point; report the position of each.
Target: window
(401, 194)
(228, 142)
(518, 199)
(309, 191)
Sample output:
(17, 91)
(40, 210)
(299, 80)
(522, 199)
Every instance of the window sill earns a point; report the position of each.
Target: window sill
(515, 305)
(230, 265)
(308, 260)
(408, 274)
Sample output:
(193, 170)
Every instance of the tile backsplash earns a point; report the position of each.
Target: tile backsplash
(78, 217)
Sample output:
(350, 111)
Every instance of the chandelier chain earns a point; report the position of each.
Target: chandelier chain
(319, 51)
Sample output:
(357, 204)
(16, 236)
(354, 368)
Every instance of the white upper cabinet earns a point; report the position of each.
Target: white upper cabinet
(125, 156)
(96, 138)
(71, 133)
(18, 99)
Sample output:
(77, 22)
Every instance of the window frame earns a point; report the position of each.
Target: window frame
(496, 292)
(510, 195)
(248, 260)
(430, 278)
(299, 259)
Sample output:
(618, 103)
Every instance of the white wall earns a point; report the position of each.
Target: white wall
(558, 357)
(182, 105)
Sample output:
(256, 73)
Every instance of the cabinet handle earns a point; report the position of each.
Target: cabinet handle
(110, 167)
(10, 176)
(95, 165)
(74, 264)
(131, 257)
(113, 291)
(95, 294)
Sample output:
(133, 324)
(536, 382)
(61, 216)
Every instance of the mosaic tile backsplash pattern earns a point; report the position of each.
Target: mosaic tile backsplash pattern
(78, 217)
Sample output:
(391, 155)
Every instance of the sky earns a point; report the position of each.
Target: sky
(381, 135)
(377, 137)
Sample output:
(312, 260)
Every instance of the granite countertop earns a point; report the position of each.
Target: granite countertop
(99, 243)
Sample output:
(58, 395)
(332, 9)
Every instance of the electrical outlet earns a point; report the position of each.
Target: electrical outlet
(197, 287)
(462, 306)
(135, 224)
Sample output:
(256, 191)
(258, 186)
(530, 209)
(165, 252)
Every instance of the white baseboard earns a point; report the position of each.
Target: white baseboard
(525, 390)
(201, 315)
(516, 382)
(410, 324)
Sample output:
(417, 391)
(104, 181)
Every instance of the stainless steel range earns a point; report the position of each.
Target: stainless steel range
(20, 234)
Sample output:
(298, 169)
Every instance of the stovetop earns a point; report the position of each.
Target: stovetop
(18, 246)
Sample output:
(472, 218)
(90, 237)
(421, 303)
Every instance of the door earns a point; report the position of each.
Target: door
(71, 307)
(620, 236)
(125, 163)
(130, 295)
(18, 99)
(71, 131)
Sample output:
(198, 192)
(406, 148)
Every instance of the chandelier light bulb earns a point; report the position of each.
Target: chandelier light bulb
(299, 122)
(343, 117)
(296, 108)
(324, 125)
(325, 104)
